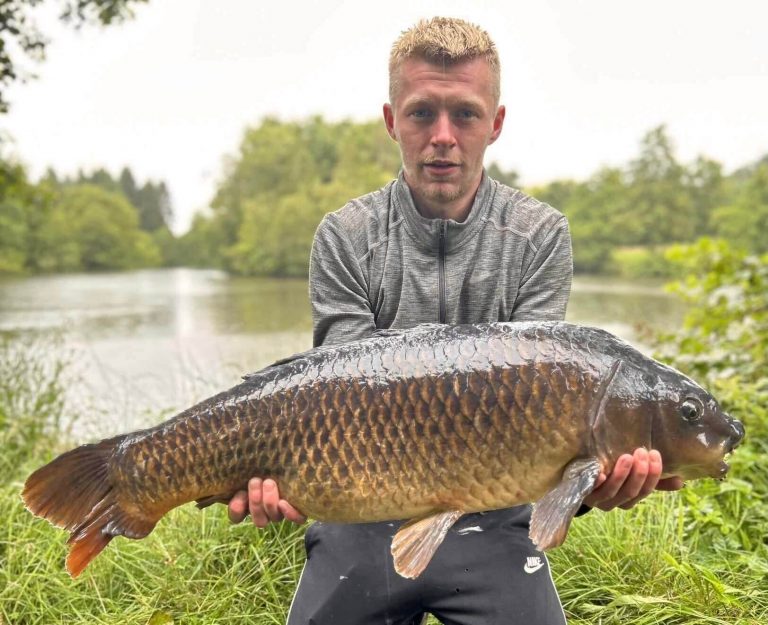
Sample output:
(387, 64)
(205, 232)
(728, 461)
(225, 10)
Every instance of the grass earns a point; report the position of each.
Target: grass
(195, 568)
(694, 557)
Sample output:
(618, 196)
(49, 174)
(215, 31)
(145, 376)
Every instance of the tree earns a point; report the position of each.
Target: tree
(151, 200)
(202, 245)
(661, 209)
(99, 177)
(14, 193)
(286, 176)
(94, 229)
(128, 186)
(596, 212)
(707, 189)
(154, 206)
(18, 31)
(509, 178)
(744, 222)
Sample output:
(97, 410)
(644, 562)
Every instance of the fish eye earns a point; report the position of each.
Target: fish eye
(691, 409)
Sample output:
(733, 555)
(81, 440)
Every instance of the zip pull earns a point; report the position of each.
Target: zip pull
(441, 271)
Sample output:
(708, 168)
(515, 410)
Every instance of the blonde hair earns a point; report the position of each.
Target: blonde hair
(444, 40)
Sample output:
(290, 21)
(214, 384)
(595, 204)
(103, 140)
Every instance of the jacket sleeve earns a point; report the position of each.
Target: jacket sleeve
(546, 284)
(338, 290)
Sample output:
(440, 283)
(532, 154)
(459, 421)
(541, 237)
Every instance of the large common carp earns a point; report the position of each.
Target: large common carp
(425, 424)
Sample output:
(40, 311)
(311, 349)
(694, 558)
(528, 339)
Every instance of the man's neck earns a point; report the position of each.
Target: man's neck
(458, 210)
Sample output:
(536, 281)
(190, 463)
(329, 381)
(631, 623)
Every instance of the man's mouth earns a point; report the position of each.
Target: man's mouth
(441, 167)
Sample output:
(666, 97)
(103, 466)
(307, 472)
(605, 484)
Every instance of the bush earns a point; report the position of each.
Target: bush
(642, 262)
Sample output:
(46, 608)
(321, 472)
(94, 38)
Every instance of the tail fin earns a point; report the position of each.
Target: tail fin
(73, 492)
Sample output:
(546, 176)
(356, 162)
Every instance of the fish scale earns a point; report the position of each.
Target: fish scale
(424, 424)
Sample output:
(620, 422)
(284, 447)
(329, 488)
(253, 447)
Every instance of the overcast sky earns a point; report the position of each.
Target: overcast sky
(170, 93)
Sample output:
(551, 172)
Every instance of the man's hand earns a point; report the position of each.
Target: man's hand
(633, 478)
(264, 504)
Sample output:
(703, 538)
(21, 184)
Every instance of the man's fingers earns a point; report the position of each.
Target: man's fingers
(271, 499)
(651, 478)
(255, 505)
(291, 513)
(238, 506)
(606, 492)
(633, 485)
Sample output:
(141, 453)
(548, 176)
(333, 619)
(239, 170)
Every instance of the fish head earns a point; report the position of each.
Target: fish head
(691, 430)
(648, 404)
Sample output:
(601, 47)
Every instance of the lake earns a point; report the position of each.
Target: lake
(145, 343)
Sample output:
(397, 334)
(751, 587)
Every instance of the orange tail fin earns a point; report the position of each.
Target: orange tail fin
(73, 492)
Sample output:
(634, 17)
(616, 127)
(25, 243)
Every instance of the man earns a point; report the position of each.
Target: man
(442, 243)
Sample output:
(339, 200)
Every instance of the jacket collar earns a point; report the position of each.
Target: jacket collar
(425, 231)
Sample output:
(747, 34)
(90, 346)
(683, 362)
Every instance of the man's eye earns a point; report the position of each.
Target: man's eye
(466, 114)
(420, 113)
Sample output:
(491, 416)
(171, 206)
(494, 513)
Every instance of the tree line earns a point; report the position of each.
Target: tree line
(287, 174)
(623, 218)
(89, 222)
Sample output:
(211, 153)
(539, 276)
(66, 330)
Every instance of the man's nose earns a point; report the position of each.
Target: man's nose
(442, 131)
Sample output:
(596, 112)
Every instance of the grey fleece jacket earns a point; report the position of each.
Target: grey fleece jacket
(377, 263)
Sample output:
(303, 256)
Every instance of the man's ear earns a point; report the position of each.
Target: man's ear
(389, 120)
(498, 123)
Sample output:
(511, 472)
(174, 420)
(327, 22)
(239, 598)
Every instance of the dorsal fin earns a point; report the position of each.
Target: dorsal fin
(377, 333)
(287, 359)
(418, 329)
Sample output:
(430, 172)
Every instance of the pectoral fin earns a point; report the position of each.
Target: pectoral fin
(552, 514)
(417, 540)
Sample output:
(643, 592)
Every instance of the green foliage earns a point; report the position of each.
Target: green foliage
(151, 200)
(287, 175)
(745, 221)
(273, 196)
(725, 332)
(200, 246)
(724, 344)
(66, 225)
(93, 229)
(652, 202)
(641, 262)
(658, 202)
(14, 194)
(509, 178)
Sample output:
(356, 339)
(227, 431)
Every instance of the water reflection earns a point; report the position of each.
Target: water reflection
(179, 302)
(150, 341)
(622, 307)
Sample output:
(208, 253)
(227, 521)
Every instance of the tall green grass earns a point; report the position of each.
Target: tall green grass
(196, 567)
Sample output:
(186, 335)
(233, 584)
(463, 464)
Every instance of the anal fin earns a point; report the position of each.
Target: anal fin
(417, 540)
(553, 513)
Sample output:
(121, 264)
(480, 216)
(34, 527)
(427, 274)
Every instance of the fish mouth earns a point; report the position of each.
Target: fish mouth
(722, 469)
(715, 470)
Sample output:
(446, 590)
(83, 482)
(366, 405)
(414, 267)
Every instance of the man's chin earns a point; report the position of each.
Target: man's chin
(442, 191)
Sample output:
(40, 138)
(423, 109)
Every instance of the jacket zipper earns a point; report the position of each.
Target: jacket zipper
(441, 271)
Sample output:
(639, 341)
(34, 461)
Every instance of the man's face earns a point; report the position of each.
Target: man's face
(443, 118)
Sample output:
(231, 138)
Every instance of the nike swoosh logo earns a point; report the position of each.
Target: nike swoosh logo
(534, 568)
